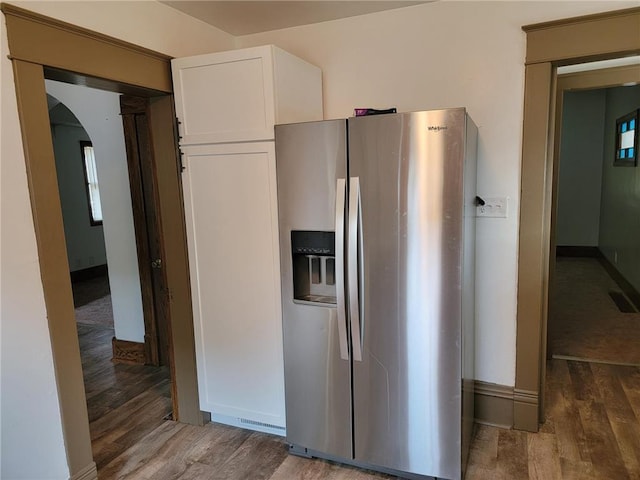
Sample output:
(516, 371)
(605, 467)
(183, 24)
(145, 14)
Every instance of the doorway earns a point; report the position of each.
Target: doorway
(592, 317)
(549, 45)
(94, 186)
(61, 54)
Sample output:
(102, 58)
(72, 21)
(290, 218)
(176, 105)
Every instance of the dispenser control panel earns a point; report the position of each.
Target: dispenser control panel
(314, 243)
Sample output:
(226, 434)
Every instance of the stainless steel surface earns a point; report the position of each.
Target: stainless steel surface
(407, 389)
(309, 159)
(352, 259)
(468, 289)
(341, 187)
(405, 285)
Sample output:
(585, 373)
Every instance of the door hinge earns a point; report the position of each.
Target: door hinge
(180, 161)
(176, 125)
(179, 153)
(156, 263)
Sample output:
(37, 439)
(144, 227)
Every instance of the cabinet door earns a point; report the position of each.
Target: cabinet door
(226, 96)
(232, 229)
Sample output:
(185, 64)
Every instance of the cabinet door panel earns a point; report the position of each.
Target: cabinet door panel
(231, 216)
(225, 97)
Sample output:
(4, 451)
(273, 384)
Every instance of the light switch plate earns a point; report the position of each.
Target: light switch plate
(495, 207)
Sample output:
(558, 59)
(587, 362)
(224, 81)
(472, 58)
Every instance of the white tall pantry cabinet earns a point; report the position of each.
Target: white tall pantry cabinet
(227, 104)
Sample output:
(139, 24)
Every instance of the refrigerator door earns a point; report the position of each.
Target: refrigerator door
(407, 387)
(311, 172)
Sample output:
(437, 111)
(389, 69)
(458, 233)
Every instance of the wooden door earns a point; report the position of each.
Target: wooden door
(146, 219)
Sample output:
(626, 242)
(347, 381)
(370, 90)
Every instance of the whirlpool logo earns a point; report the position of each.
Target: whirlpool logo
(436, 128)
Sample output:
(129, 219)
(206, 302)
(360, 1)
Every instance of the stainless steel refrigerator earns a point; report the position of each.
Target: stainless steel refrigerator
(377, 241)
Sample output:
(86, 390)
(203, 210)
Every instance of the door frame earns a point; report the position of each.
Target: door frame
(571, 82)
(147, 225)
(76, 55)
(550, 45)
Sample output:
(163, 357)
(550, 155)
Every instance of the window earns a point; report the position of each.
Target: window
(627, 140)
(91, 179)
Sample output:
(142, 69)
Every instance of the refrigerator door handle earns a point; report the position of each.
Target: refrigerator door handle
(341, 188)
(352, 259)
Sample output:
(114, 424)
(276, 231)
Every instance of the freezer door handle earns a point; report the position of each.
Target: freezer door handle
(341, 188)
(352, 259)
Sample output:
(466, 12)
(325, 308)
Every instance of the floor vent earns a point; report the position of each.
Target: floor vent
(621, 302)
(259, 424)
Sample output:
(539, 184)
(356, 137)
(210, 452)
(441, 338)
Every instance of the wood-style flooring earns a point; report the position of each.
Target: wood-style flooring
(584, 321)
(592, 430)
(591, 433)
(125, 402)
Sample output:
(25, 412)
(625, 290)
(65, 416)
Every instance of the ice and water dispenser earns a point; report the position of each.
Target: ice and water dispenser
(314, 266)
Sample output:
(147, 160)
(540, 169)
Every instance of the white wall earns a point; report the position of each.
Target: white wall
(438, 54)
(580, 169)
(32, 445)
(620, 213)
(447, 54)
(31, 442)
(85, 242)
(99, 113)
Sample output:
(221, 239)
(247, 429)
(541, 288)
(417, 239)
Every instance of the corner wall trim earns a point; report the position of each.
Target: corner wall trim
(525, 410)
(525, 396)
(90, 472)
(128, 352)
(493, 404)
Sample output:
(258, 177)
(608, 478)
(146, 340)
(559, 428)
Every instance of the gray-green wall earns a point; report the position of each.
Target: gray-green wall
(580, 169)
(599, 204)
(620, 204)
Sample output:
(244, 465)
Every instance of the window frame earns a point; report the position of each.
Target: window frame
(629, 156)
(87, 185)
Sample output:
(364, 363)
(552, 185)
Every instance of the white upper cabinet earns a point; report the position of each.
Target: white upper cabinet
(239, 95)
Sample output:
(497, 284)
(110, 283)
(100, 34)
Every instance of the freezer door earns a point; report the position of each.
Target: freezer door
(406, 180)
(311, 173)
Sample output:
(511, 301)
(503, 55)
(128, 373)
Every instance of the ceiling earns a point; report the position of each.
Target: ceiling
(241, 17)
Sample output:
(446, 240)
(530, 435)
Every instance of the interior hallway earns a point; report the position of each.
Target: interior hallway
(592, 430)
